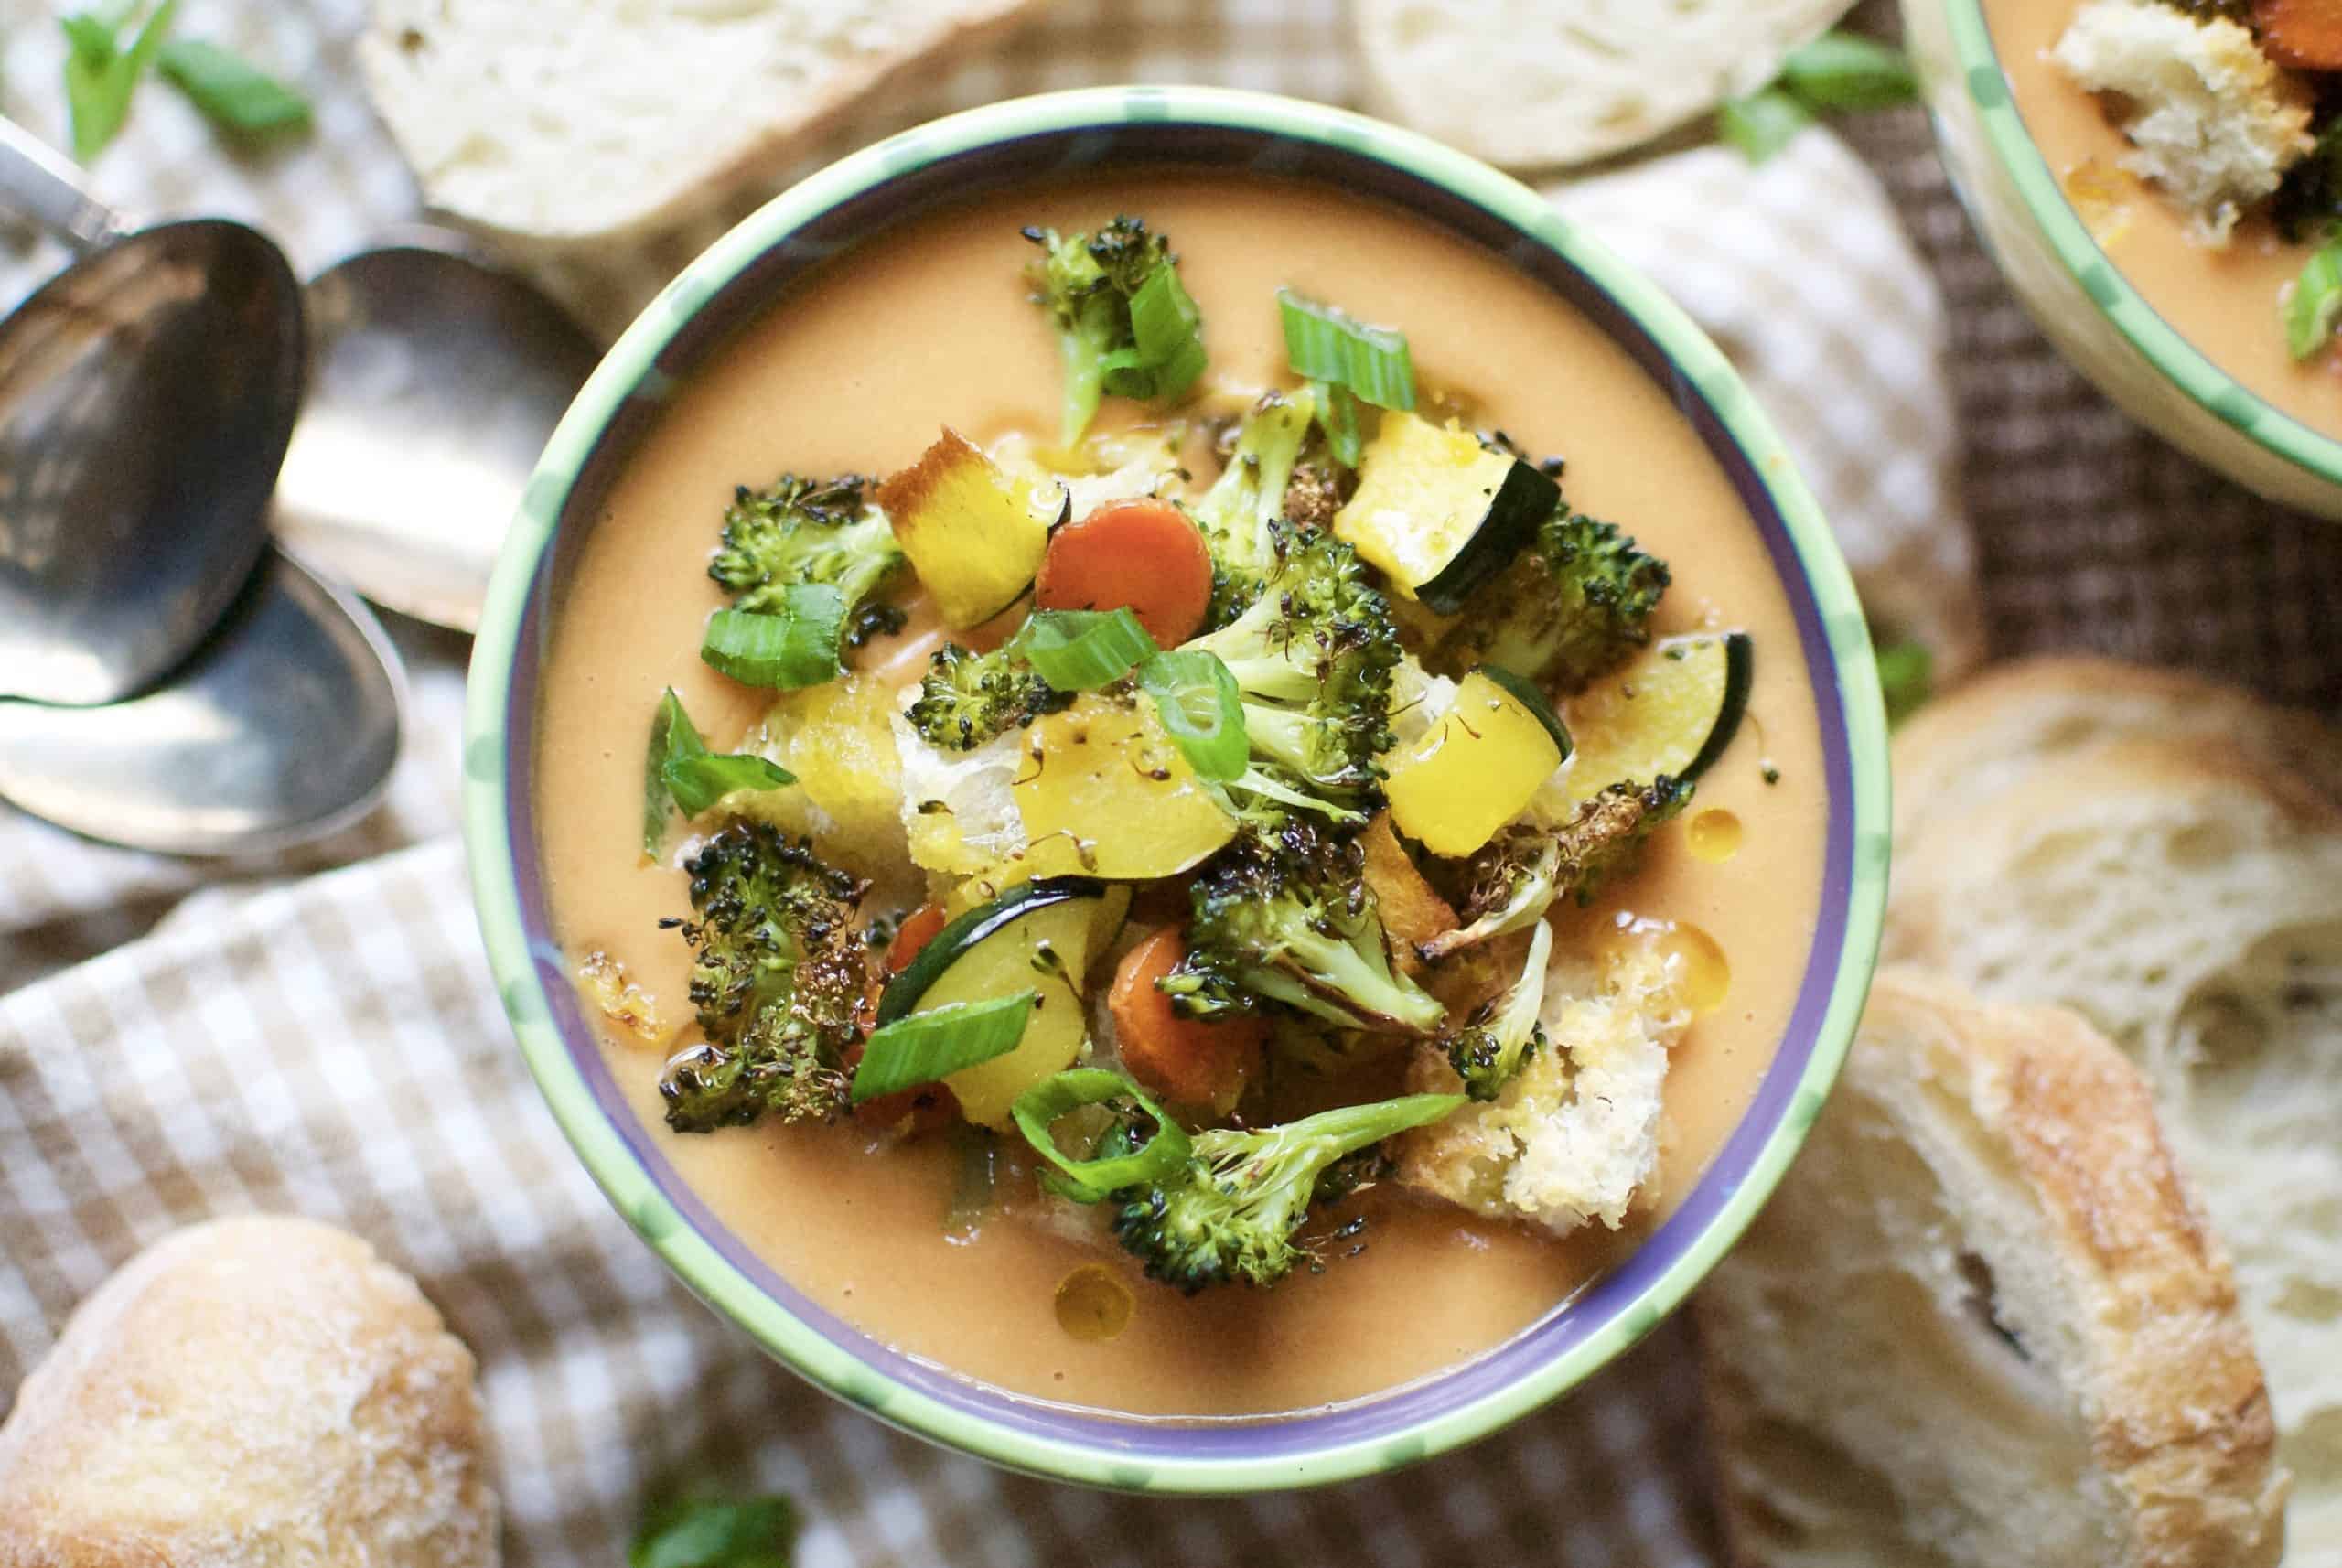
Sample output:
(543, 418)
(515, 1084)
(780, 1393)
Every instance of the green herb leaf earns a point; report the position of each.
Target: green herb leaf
(1762, 123)
(1166, 353)
(698, 782)
(759, 1534)
(1844, 71)
(232, 92)
(1324, 344)
(101, 76)
(673, 738)
(1338, 417)
(1080, 651)
(926, 1047)
(1203, 708)
(1090, 1181)
(2314, 302)
(793, 646)
(1906, 678)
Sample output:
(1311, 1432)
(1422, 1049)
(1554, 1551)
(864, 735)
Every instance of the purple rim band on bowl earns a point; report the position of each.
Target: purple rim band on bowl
(1172, 144)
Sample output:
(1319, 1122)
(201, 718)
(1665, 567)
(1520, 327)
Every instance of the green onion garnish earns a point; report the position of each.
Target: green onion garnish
(929, 1046)
(796, 646)
(1849, 71)
(1080, 651)
(1762, 123)
(2315, 303)
(1338, 417)
(230, 92)
(1087, 1181)
(1203, 708)
(706, 1533)
(1324, 343)
(698, 782)
(1167, 352)
(673, 739)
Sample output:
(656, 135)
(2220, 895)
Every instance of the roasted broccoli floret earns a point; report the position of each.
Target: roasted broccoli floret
(810, 530)
(967, 700)
(1524, 871)
(1089, 283)
(1286, 916)
(1503, 1033)
(1231, 1212)
(1234, 515)
(777, 973)
(1312, 657)
(1570, 607)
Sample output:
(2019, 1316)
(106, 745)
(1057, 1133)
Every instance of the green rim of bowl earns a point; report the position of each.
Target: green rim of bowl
(2097, 274)
(630, 1188)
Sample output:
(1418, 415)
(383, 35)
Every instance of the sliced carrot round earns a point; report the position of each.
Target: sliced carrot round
(1144, 554)
(1185, 1060)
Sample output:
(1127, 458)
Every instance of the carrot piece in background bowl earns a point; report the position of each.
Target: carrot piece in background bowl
(2303, 34)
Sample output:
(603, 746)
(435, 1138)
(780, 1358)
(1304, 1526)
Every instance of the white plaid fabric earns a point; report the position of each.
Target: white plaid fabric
(181, 1040)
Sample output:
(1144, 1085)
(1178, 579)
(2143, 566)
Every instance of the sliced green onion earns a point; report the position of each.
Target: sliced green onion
(229, 91)
(698, 782)
(673, 739)
(2315, 303)
(929, 1046)
(1087, 1181)
(1762, 123)
(1324, 343)
(1167, 352)
(1338, 417)
(1203, 708)
(1850, 71)
(796, 646)
(1080, 651)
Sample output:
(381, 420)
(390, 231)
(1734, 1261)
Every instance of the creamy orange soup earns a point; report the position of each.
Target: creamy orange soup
(932, 325)
(2224, 302)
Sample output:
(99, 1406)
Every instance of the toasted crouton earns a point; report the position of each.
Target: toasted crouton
(2211, 122)
(1575, 1134)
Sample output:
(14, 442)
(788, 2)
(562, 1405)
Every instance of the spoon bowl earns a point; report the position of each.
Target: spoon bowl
(283, 727)
(148, 395)
(434, 383)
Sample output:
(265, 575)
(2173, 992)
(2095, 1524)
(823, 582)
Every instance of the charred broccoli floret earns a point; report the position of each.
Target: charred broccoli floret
(1313, 658)
(1503, 1033)
(1286, 916)
(967, 700)
(1235, 514)
(1570, 607)
(1524, 871)
(777, 973)
(1230, 1213)
(810, 530)
(1124, 322)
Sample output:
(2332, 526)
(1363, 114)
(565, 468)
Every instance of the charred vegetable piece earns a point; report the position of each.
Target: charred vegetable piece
(1440, 511)
(1124, 322)
(799, 530)
(1670, 712)
(1103, 789)
(1474, 771)
(975, 535)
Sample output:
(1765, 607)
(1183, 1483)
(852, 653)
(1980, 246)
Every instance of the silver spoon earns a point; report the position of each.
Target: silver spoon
(146, 396)
(434, 383)
(285, 722)
(284, 727)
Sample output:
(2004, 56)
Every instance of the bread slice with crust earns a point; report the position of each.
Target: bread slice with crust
(602, 120)
(1980, 1325)
(2165, 858)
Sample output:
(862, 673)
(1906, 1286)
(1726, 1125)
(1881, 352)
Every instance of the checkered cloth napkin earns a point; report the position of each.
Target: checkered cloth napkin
(317, 1033)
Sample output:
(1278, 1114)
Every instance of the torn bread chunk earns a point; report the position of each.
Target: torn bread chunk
(1575, 1136)
(2212, 123)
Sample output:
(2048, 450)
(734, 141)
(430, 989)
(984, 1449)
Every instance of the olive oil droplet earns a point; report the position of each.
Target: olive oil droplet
(1707, 977)
(1092, 1305)
(1712, 835)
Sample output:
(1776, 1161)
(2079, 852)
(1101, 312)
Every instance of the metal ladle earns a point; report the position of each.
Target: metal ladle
(147, 397)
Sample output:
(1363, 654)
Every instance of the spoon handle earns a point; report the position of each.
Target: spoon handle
(42, 185)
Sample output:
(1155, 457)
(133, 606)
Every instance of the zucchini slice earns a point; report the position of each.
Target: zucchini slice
(1673, 710)
(1439, 513)
(1036, 936)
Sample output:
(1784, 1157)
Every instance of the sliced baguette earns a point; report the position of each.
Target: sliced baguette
(2183, 890)
(1529, 84)
(1980, 1326)
(619, 118)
